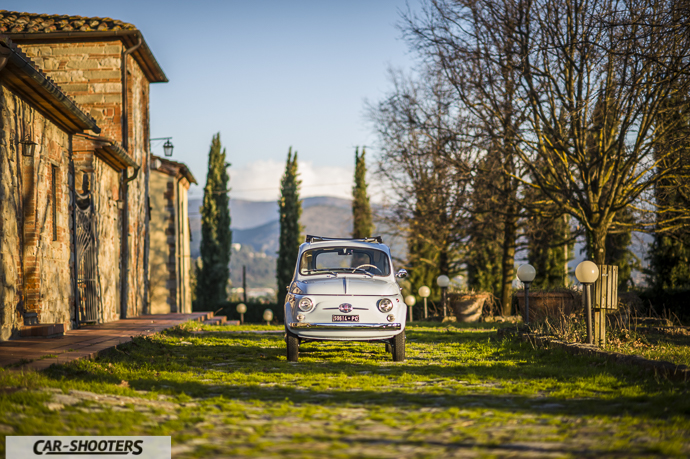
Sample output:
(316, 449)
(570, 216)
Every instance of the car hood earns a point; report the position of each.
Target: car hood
(348, 286)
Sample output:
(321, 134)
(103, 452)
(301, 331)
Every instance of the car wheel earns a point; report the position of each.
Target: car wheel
(292, 347)
(389, 348)
(399, 347)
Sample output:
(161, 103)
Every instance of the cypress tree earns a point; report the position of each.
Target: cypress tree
(549, 250)
(423, 257)
(483, 256)
(619, 253)
(670, 261)
(216, 236)
(485, 230)
(290, 208)
(669, 255)
(362, 225)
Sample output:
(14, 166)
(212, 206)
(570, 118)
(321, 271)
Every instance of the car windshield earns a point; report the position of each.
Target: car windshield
(336, 260)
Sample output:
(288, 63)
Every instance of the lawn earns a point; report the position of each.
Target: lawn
(671, 345)
(226, 391)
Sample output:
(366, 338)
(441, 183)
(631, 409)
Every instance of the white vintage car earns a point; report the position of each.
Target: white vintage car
(345, 290)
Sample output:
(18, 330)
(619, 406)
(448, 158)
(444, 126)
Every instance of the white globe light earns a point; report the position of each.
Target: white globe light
(241, 308)
(424, 291)
(443, 281)
(587, 272)
(268, 315)
(526, 273)
(410, 300)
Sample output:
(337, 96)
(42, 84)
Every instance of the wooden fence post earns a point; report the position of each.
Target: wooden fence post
(605, 299)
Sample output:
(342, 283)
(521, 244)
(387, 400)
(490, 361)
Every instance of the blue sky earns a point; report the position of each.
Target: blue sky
(267, 75)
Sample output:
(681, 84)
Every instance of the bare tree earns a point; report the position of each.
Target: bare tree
(474, 45)
(598, 76)
(425, 166)
(574, 89)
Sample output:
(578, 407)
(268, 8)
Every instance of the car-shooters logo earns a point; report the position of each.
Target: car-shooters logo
(89, 447)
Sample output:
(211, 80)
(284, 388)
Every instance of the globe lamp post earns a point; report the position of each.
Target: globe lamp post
(526, 275)
(424, 292)
(410, 301)
(241, 308)
(268, 316)
(443, 281)
(587, 273)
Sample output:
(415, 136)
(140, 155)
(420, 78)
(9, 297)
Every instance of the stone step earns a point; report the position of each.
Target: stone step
(216, 320)
(42, 330)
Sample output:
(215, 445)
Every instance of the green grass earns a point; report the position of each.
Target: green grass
(48, 356)
(651, 344)
(221, 392)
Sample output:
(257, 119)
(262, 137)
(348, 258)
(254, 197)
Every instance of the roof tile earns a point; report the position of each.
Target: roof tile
(21, 25)
(17, 22)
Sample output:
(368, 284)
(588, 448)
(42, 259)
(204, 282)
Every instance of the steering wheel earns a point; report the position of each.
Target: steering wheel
(367, 266)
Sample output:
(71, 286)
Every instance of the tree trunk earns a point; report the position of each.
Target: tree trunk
(443, 260)
(566, 279)
(599, 244)
(508, 261)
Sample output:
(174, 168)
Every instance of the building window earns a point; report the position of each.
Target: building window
(53, 191)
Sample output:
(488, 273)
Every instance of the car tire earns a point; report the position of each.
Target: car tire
(292, 347)
(389, 348)
(399, 347)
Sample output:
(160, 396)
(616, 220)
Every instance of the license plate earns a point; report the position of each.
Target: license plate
(345, 318)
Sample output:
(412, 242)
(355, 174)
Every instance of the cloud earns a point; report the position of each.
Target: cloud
(260, 181)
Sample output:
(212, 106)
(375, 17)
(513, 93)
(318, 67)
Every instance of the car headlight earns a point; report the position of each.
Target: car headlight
(305, 304)
(385, 305)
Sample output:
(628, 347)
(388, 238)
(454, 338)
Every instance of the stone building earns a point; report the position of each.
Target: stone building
(107, 67)
(38, 127)
(170, 237)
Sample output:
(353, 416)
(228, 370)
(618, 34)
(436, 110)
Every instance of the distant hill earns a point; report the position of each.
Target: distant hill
(263, 238)
(320, 220)
(256, 222)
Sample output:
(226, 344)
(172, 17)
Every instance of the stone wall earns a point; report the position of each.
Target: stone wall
(170, 242)
(91, 72)
(138, 148)
(107, 195)
(184, 242)
(35, 251)
(163, 265)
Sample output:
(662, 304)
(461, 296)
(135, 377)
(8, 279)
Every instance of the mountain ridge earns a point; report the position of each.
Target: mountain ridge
(257, 223)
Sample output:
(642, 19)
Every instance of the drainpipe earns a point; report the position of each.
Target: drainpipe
(124, 268)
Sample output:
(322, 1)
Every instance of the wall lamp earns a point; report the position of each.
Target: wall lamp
(167, 146)
(28, 146)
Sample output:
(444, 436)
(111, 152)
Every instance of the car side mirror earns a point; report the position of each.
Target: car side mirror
(401, 274)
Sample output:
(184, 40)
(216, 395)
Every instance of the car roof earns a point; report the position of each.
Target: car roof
(344, 243)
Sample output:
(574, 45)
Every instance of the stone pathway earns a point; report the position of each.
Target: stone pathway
(86, 342)
(290, 434)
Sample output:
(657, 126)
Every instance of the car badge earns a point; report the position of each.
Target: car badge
(345, 307)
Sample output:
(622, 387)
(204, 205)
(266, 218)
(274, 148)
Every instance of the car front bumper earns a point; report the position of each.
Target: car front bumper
(346, 326)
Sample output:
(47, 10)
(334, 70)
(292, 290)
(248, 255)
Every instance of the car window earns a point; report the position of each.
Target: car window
(344, 259)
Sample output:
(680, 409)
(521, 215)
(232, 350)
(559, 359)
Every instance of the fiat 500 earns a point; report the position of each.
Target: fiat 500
(345, 290)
